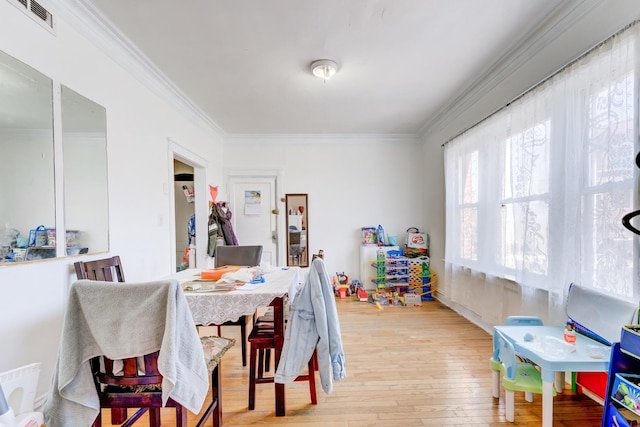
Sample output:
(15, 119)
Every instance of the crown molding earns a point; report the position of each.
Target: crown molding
(558, 20)
(83, 16)
(322, 138)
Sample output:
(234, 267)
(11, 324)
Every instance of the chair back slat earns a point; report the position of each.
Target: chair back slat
(131, 374)
(151, 364)
(108, 365)
(130, 367)
(523, 321)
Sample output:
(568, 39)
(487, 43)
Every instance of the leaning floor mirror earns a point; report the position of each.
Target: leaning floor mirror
(297, 230)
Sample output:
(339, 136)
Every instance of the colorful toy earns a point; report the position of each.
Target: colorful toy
(341, 285)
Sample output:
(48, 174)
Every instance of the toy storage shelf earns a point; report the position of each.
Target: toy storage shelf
(404, 275)
(368, 255)
(392, 273)
(621, 405)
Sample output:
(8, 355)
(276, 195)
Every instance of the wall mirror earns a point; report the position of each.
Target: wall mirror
(27, 196)
(84, 150)
(297, 230)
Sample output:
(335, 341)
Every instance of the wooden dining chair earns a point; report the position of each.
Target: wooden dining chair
(248, 256)
(159, 321)
(320, 255)
(261, 340)
(294, 246)
(108, 269)
(139, 385)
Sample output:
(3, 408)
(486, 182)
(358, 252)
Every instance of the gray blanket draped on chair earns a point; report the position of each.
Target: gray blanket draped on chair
(121, 321)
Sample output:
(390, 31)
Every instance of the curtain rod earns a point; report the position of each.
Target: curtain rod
(543, 81)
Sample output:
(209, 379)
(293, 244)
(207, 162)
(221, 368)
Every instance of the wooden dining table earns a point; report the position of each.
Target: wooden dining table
(218, 307)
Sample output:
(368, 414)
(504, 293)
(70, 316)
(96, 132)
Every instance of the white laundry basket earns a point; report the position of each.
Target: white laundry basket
(19, 388)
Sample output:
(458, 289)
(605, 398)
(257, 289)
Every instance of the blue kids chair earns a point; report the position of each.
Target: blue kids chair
(496, 364)
(517, 376)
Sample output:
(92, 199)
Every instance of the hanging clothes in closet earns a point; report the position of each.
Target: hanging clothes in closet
(191, 229)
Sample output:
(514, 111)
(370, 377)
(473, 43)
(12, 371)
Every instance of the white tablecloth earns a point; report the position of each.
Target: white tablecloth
(215, 308)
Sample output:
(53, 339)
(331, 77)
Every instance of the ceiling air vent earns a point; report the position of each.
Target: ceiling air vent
(35, 11)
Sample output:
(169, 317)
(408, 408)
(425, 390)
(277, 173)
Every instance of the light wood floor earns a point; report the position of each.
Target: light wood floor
(406, 366)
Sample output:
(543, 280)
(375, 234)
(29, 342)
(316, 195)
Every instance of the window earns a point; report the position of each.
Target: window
(468, 167)
(608, 193)
(525, 202)
(536, 192)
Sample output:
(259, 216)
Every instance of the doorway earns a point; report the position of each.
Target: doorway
(184, 211)
(190, 164)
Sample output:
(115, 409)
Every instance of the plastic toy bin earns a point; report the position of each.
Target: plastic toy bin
(19, 387)
(626, 391)
(630, 340)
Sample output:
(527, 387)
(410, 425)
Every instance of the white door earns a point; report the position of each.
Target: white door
(252, 201)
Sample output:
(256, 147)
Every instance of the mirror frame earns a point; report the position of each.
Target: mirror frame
(299, 219)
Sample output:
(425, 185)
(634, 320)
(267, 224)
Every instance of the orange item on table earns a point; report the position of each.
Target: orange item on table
(217, 272)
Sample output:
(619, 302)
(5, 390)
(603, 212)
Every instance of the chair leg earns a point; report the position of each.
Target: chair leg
(214, 409)
(243, 336)
(267, 360)
(181, 417)
(509, 405)
(261, 364)
(118, 415)
(252, 377)
(154, 417)
(495, 383)
(312, 380)
(216, 380)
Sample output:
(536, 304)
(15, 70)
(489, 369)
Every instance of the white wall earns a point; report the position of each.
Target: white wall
(351, 183)
(138, 125)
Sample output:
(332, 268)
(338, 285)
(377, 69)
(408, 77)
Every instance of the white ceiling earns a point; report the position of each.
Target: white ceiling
(245, 63)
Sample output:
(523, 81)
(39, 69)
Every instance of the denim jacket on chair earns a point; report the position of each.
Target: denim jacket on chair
(313, 324)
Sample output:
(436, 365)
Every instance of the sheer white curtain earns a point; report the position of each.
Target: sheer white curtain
(536, 192)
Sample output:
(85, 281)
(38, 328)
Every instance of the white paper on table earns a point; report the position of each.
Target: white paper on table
(249, 286)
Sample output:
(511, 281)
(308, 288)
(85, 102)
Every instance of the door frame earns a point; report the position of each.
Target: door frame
(276, 175)
(177, 151)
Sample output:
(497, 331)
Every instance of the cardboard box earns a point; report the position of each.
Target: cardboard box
(414, 299)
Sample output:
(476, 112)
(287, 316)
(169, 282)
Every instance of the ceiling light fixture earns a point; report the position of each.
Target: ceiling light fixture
(324, 68)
